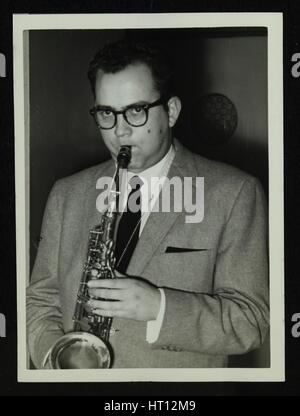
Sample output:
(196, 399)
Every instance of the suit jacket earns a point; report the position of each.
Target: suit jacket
(214, 273)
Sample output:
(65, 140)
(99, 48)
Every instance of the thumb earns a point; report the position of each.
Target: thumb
(118, 274)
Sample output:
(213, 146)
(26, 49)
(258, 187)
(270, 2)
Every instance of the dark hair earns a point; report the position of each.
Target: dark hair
(116, 56)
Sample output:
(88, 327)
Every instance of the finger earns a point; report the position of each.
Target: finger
(118, 274)
(108, 283)
(105, 305)
(112, 313)
(116, 294)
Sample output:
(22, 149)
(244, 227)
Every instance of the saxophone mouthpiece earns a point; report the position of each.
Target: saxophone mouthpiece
(124, 156)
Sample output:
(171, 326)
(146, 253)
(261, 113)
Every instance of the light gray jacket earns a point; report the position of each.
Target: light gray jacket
(215, 275)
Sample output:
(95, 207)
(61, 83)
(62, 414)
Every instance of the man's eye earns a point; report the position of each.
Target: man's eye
(105, 113)
(136, 110)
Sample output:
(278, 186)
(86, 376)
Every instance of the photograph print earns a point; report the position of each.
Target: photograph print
(146, 173)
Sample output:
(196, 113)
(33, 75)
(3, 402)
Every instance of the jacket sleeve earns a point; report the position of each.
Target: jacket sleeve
(234, 318)
(44, 317)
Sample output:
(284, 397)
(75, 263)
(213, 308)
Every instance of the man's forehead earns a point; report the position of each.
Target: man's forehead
(132, 84)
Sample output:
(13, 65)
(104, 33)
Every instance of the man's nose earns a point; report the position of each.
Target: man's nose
(122, 128)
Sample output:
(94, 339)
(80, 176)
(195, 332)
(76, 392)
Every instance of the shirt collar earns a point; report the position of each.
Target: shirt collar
(158, 170)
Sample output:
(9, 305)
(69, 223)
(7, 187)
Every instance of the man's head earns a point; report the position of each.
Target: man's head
(126, 76)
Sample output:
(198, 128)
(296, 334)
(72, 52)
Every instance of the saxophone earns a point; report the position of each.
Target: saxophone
(87, 346)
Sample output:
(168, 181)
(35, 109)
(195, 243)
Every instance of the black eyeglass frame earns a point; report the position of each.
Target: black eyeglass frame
(146, 107)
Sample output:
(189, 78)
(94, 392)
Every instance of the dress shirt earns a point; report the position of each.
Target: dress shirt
(152, 178)
(150, 190)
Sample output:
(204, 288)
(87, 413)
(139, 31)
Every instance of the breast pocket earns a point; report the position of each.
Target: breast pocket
(183, 268)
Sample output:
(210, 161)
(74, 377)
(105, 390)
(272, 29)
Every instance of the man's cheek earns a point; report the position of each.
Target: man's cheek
(108, 141)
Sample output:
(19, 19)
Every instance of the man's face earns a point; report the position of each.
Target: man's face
(134, 85)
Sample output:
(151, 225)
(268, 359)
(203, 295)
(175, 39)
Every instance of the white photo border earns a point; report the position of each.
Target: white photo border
(273, 23)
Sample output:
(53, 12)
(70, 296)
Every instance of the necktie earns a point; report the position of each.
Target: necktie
(129, 226)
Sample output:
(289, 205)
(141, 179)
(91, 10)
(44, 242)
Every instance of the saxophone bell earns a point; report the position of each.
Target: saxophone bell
(80, 350)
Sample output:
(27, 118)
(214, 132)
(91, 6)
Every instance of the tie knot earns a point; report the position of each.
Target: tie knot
(136, 182)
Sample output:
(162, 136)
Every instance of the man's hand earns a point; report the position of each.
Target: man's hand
(125, 297)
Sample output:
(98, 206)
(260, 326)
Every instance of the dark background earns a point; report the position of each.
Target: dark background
(250, 135)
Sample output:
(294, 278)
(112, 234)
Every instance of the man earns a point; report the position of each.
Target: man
(192, 293)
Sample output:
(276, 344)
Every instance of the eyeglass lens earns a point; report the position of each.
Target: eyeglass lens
(135, 116)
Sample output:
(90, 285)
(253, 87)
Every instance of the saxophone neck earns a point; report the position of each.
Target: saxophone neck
(123, 161)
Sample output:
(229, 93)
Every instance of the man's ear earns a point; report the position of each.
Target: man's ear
(174, 108)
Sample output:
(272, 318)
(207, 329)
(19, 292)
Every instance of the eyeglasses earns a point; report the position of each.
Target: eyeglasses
(136, 115)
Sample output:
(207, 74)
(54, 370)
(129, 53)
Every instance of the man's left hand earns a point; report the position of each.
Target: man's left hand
(125, 297)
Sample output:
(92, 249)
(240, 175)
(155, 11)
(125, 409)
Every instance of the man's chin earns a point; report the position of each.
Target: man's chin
(135, 166)
(134, 169)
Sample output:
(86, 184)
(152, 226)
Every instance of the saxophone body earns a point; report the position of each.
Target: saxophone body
(87, 346)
